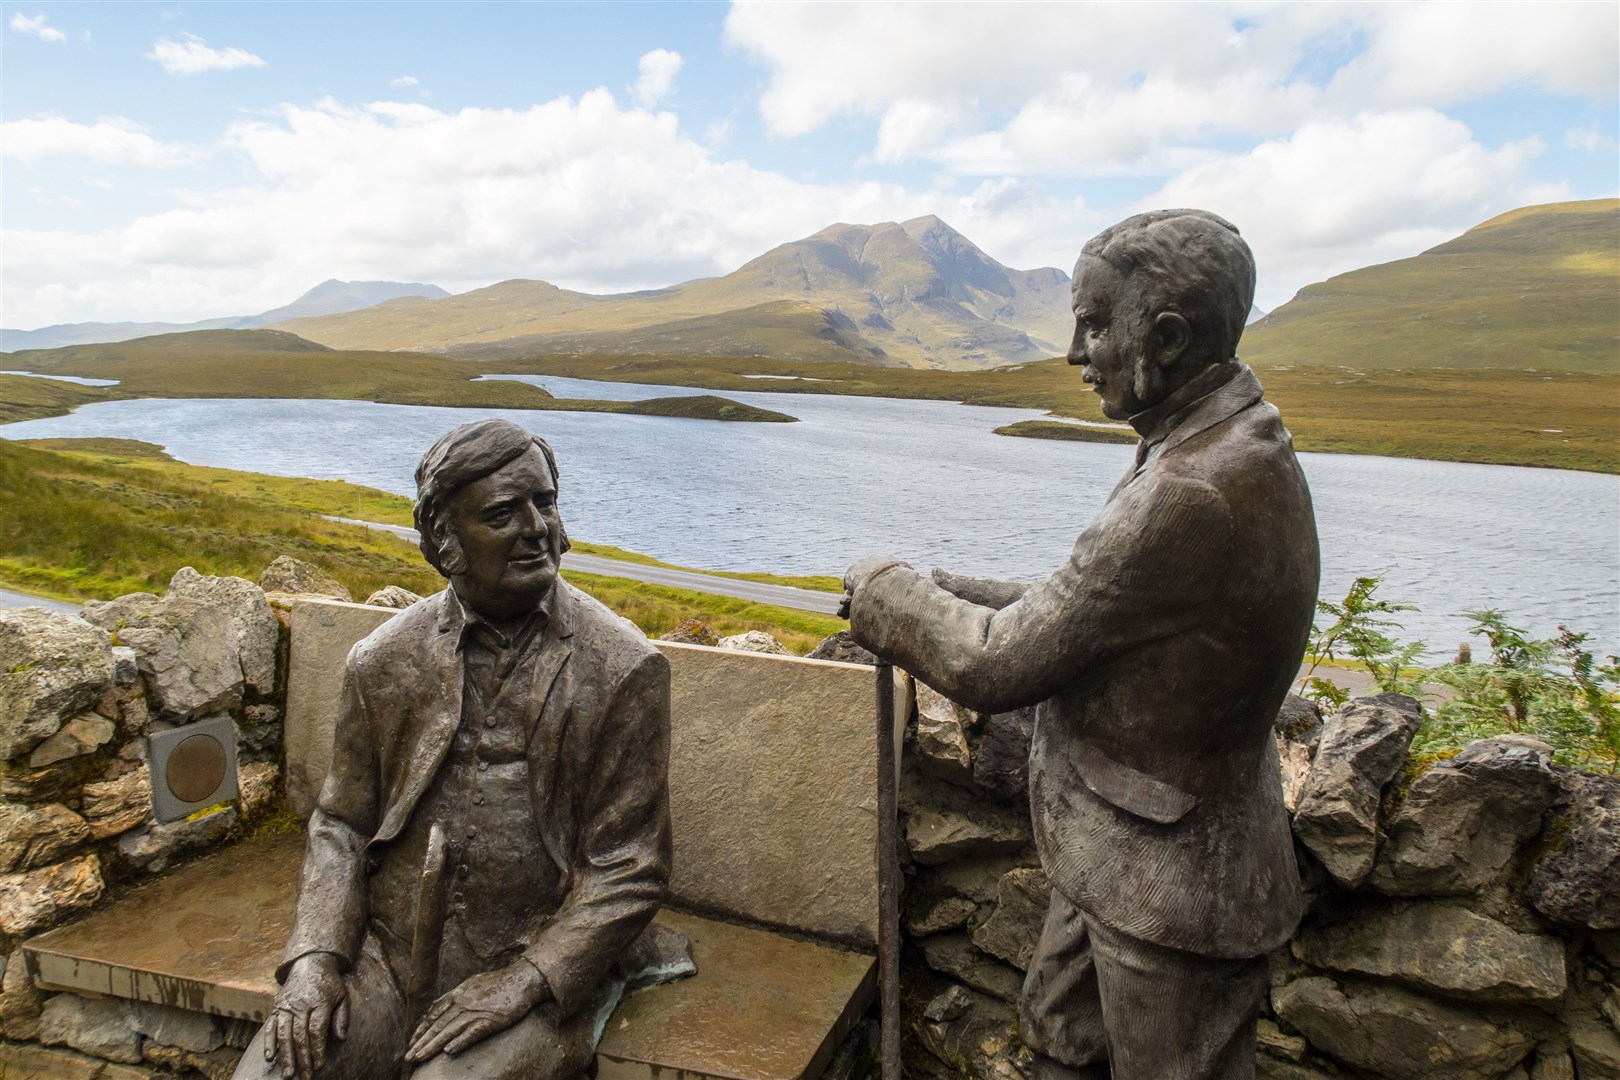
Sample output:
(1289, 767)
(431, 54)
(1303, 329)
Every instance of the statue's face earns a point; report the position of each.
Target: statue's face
(511, 536)
(1109, 342)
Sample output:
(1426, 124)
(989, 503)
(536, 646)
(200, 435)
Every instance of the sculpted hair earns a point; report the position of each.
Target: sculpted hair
(464, 454)
(1192, 262)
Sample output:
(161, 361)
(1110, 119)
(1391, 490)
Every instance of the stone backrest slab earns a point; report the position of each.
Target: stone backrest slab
(773, 773)
(323, 632)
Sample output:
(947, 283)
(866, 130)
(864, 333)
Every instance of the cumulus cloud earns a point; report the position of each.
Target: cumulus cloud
(581, 192)
(1340, 194)
(193, 55)
(1103, 89)
(404, 82)
(658, 70)
(36, 26)
(109, 141)
(1591, 140)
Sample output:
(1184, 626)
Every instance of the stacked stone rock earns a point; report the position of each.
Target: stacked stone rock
(1464, 918)
(78, 696)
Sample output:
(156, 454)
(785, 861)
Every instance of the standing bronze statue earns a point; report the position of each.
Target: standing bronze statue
(493, 838)
(1158, 655)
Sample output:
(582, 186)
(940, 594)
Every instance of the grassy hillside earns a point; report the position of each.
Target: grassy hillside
(914, 293)
(1556, 419)
(1537, 288)
(276, 364)
(93, 519)
(24, 398)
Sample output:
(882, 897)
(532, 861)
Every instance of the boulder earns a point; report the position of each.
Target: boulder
(289, 575)
(20, 1000)
(842, 648)
(1441, 947)
(214, 1065)
(1594, 1042)
(1269, 1039)
(35, 836)
(35, 899)
(253, 626)
(1553, 1063)
(83, 734)
(24, 1062)
(1001, 760)
(692, 632)
(52, 667)
(186, 648)
(114, 806)
(95, 1027)
(754, 641)
(1300, 721)
(966, 1030)
(257, 786)
(1577, 879)
(194, 1031)
(392, 596)
(944, 823)
(954, 955)
(924, 914)
(942, 736)
(1398, 1034)
(153, 848)
(1362, 749)
(1463, 821)
(1011, 931)
(126, 665)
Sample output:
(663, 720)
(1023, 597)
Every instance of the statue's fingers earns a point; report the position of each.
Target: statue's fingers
(300, 1041)
(340, 1019)
(430, 1037)
(319, 1017)
(478, 1029)
(284, 1043)
(270, 1036)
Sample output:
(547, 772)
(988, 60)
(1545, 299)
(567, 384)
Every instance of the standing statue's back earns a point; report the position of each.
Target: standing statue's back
(493, 838)
(1159, 656)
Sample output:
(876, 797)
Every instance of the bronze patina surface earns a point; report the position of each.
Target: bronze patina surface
(1156, 657)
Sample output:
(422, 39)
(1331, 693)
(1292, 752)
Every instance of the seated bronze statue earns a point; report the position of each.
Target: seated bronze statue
(493, 838)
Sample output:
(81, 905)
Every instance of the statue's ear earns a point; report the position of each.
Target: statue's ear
(452, 560)
(1171, 338)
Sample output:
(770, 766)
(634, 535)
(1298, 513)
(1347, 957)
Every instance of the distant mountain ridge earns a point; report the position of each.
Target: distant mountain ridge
(330, 297)
(915, 293)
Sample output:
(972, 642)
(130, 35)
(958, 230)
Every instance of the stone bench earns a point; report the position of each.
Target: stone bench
(773, 798)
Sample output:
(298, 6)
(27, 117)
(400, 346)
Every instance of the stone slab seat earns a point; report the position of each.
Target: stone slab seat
(208, 936)
(773, 802)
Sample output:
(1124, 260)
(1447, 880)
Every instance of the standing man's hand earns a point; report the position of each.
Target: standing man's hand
(859, 573)
(478, 1008)
(313, 1003)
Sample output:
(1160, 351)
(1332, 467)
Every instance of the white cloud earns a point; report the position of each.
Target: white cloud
(193, 56)
(35, 26)
(109, 141)
(1100, 89)
(405, 81)
(1591, 140)
(1337, 195)
(658, 70)
(581, 192)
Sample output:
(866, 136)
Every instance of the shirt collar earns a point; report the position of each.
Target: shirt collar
(1158, 421)
(465, 621)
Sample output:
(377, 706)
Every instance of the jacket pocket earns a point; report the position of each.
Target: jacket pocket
(1132, 791)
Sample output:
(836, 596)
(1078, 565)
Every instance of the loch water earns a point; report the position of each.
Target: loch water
(930, 482)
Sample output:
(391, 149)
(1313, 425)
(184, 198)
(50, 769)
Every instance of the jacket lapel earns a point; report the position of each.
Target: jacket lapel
(426, 733)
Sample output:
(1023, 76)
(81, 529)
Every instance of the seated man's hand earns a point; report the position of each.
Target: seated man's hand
(860, 572)
(478, 1008)
(313, 1002)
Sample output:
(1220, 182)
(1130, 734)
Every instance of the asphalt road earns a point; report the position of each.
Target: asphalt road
(755, 591)
(9, 599)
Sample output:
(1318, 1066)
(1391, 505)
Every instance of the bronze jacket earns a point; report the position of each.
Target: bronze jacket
(598, 768)
(1159, 656)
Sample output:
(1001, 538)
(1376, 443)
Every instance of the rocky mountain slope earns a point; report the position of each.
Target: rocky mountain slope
(915, 294)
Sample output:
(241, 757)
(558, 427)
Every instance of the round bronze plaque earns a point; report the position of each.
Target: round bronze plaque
(195, 768)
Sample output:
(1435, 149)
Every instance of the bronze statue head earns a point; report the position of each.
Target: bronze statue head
(1157, 298)
(486, 509)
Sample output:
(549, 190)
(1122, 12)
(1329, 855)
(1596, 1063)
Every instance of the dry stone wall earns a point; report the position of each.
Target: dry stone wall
(1463, 921)
(78, 698)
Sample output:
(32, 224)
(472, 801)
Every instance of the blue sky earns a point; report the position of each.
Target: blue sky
(183, 161)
